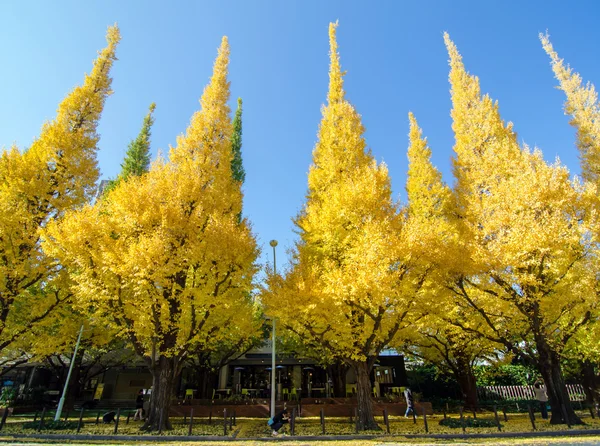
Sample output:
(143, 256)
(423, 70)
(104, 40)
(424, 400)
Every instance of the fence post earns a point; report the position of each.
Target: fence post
(386, 420)
(80, 420)
(234, 417)
(191, 422)
(184, 418)
(98, 416)
(592, 412)
(42, 419)
(497, 420)
(462, 421)
(128, 416)
(293, 422)
(66, 415)
(323, 420)
(445, 412)
(4, 416)
(424, 422)
(35, 416)
(474, 414)
(505, 416)
(414, 413)
(231, 420)
(117, 421)
(531, 416)
(225, 421)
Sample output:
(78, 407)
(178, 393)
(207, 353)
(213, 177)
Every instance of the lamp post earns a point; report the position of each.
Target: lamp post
(61, 403)
(273, 244)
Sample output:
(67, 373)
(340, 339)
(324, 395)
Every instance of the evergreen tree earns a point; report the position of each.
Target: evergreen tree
(237, 167)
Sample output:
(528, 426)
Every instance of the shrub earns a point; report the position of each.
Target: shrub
(52, 425)
(468, 422)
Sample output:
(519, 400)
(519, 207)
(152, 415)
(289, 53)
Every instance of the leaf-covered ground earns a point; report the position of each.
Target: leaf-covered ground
(254, 428)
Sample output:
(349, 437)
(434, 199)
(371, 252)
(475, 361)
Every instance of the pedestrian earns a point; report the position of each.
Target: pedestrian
(278, 421)
(410, 403)
(139, 406)
(540, 395)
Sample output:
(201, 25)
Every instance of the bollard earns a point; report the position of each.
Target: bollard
(386, 420)
(42, 419)
(117, 420)
(191, 421)
(565, 416)
(531, 416)
(4, 416)
(356, 419)
(80, 420)
(293, 422)
(424, 422)
(497, 419)
(505, 416)
(98, 417)
(323, 421)
(225, 422)
(462, 421)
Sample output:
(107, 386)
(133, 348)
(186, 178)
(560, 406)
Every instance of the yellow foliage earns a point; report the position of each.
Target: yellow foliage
(163, 256)
(57, 173)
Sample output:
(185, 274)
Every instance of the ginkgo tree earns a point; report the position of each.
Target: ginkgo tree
(527, 281)
(58, 172)
(164, 257)
(352, 279)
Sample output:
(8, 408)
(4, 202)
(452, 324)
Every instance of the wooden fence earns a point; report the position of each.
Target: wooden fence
(576, 392)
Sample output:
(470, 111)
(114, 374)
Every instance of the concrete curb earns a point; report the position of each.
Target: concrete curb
(180, 438)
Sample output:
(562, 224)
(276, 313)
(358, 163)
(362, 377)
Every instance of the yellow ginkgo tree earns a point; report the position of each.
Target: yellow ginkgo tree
(352, 279)
(164, 257)
(58, 172)
(527, 280)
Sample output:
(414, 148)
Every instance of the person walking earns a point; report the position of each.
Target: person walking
(540, 395)
(139, 406)
(410, 403)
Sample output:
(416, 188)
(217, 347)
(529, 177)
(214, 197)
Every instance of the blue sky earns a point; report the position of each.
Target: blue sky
(393, 52)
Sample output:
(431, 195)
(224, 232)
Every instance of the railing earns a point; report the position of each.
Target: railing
(576, 392)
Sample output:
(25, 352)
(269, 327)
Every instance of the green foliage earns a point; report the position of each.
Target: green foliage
(429, 380)
(505, 375)
(237, 168)
(467, 422)
(52, 425)
(7, 396)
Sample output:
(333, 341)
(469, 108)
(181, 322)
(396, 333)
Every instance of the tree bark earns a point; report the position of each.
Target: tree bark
(164, 374)
(366, 418)
(589, 381)
(337, 372)
(467, 382)
(550, 369)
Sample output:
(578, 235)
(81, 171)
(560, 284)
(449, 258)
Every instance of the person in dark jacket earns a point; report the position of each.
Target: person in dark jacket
(278, 421)
(410, 403)
(139, 406)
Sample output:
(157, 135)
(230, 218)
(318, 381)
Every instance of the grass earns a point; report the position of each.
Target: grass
(254, 428)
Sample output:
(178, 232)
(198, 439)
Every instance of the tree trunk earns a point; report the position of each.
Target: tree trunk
(366, 419)
(164, 376)
(589, 381)
(337, 372)
(550, 369)
(467, 382)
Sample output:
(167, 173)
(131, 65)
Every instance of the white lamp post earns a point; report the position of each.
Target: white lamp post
(61, 403)
(273, 244)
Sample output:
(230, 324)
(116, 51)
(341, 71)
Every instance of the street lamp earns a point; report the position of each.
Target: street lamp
(61, 403)
(273, 244)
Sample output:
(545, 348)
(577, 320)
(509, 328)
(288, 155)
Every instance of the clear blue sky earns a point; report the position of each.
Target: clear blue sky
(393, 52)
